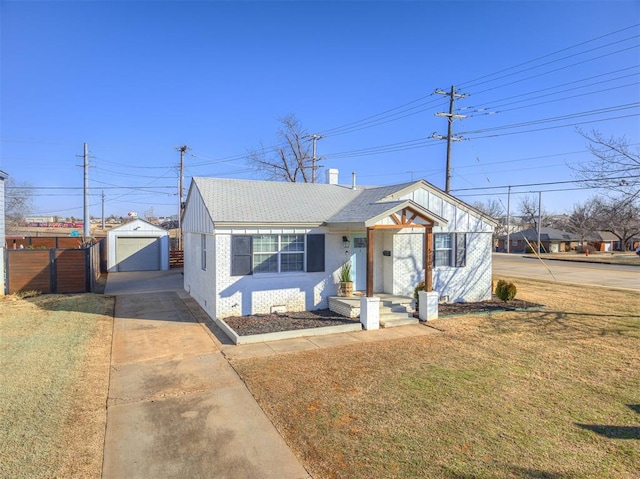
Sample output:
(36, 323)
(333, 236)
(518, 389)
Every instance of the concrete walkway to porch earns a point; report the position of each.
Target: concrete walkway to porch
(255, 350)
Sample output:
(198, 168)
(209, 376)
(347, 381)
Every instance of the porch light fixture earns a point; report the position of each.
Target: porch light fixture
(345, 242)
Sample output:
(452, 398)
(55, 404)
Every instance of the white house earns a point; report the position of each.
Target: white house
(3, 176)
(255, 246)
(138, 246)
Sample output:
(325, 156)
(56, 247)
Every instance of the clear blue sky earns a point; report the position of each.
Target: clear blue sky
(136, 79)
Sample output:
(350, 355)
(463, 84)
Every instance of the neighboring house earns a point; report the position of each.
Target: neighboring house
(604, 241)
(138, 246)
(551, 240)
(258, 246)
(3, 176)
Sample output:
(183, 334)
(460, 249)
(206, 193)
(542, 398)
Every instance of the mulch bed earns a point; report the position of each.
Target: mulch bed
(275, 322)
(490, 305)
(271, 323)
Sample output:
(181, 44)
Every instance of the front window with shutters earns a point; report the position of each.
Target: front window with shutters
(450, 249)
(278, 253)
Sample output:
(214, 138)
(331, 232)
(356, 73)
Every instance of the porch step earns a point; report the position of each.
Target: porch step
(392, 322)
(394, 313)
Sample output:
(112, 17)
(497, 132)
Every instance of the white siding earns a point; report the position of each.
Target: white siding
(386, 263)
(199, 283)
(196, 218)
(408, 261)
(472, 282)
(469, 283)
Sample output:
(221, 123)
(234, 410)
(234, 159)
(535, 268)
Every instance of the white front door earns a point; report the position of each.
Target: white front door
(359, 262)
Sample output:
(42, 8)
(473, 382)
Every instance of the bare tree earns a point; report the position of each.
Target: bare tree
(582, 220)
(291, 159)
(621, 218)
(614, 159)
(18, 202)
(493, 208)
(529, 212)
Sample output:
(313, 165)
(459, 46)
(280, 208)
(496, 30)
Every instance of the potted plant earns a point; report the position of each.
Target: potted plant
(346, 285)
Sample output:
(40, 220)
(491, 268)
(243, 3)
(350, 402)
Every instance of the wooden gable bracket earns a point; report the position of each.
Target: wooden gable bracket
(406, 221)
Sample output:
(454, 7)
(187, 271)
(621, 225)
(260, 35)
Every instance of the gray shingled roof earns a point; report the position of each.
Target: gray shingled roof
(272, 202)
(546, 234)
(248, 201)
(366, 205)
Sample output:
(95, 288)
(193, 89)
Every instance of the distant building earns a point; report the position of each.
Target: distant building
(551, 240)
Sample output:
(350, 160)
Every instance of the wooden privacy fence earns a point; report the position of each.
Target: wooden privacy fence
(55, 270)
(176, 258)
(14, 242)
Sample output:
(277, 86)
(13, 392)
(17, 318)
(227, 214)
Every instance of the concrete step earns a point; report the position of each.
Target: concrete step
(392, 322)
(386, 311)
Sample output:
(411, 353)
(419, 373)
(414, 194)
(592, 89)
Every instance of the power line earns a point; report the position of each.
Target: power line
(551, 54)
(546, 183)
(490, 104)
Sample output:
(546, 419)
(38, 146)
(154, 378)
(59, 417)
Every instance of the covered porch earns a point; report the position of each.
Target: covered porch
(390, 253)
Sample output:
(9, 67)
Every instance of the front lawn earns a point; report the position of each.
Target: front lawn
(549, 393)
(54, 362)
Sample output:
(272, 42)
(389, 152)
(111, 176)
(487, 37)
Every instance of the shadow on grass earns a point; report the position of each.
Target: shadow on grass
(616, 432)
(568, 325)
(613, 432)
(524, 472)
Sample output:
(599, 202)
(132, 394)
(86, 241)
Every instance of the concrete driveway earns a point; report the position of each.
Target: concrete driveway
(176, 408)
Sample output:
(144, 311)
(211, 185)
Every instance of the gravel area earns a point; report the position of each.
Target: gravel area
(271, 323)
(456, 309)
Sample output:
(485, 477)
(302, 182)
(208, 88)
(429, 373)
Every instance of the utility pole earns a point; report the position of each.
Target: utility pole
(450, 117)
(539, 217)
(182, 149)
(103, 209)
(87, 216)
(508, 219)
(314, 159)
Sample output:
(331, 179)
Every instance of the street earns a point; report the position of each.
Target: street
(615, 276)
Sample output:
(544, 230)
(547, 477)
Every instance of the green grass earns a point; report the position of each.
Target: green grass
(518, 394)
(54, 365)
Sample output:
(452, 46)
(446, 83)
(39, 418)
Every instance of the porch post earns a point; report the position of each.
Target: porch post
(370, 262)
(428, 258)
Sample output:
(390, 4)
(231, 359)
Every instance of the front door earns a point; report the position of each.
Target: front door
(359, 262)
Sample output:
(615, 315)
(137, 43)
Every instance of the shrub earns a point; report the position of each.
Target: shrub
(421, 286)
(506, 291)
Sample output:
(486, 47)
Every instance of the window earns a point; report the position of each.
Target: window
(442, 249)
(291, 253)
(203, 252)
(450, 249)
(276, 254)
(265, 254)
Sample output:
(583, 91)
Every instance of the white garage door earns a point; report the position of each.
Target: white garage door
(138, 254)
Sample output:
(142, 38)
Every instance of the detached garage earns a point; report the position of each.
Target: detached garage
(138, 246)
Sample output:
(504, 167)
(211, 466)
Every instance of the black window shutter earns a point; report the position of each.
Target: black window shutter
(461, 250)
(315, 253)
(240, 255)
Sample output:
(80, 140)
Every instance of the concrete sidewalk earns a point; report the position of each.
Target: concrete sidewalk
(255, 350)
(176, 408)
